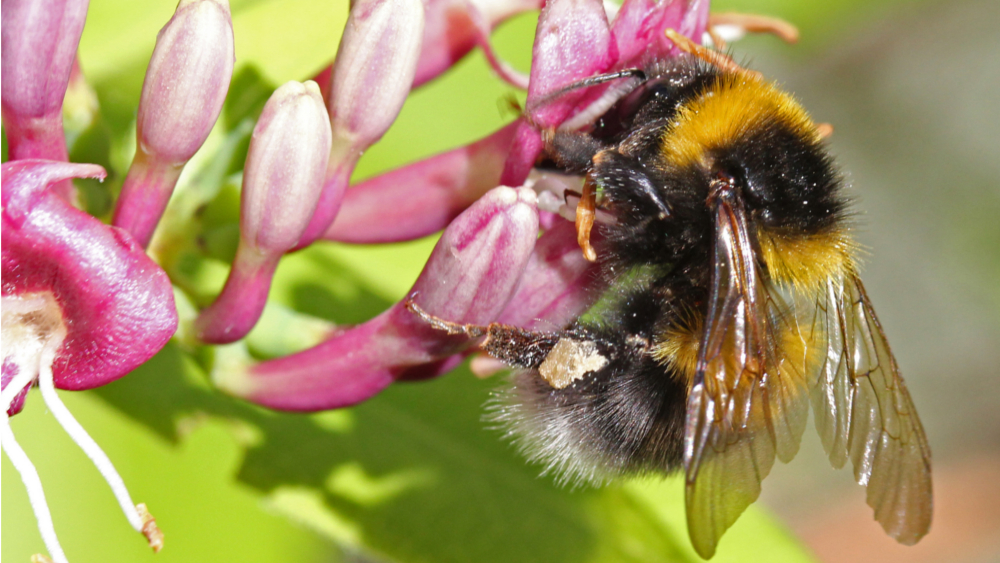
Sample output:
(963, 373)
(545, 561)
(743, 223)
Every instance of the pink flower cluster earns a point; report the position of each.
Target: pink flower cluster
(83, 304)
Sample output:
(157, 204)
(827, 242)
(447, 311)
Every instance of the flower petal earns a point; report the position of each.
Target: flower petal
(572, 42)
(640, 26)
(116, 304)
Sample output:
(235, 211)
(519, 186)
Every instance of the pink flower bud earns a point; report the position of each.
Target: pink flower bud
(371, 78)
(182, 96)
(82, 306)
(282, 181)
(39, 44)
(469, 278)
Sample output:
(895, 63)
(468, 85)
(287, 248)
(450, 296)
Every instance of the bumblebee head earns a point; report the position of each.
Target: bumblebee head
(744, 129)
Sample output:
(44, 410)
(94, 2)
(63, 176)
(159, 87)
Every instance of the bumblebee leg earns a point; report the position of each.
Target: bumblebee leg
(511, 345)
(585, 212)
(472, 331)
(753, 23)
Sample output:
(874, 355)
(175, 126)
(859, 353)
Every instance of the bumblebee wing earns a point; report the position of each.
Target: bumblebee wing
(864, 413)
(748, 401)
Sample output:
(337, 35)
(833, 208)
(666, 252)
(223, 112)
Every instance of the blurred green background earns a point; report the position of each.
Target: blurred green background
(413, 475)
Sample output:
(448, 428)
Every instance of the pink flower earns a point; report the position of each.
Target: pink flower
(574, 40)
(470, 277)
(82, 306)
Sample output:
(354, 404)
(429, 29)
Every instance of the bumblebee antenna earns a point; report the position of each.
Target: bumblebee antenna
(587, 83)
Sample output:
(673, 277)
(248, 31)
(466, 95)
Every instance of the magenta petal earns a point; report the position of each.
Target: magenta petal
(639, 29)
(469, 278)
(421, 198)
(572, 42)
(116, 304)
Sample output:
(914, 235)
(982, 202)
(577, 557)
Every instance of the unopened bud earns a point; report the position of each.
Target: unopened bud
(371, 78)
(282, 182)
(374, 68)
(187, 80)
(182, 96)
(469, 278)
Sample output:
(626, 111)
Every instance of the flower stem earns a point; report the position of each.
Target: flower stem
(238, 308)
(47, 386)
(29, 475)
(145, 194)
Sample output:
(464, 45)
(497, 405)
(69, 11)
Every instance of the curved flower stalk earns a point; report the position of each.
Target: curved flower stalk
(372, 75)
(82, 306)
(185, 86)
(282, 182)
(470, 277)
(40, 38)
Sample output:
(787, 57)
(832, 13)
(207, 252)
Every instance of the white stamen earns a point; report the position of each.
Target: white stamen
(33, 485)
(80, 436)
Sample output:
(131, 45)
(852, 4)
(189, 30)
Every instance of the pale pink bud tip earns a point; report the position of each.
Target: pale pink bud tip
(375, 67)
(187, 80)
(371, 78)
(469, 278)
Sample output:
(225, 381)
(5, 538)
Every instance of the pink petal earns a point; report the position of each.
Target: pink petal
(572, 42)
(117, 305)
(640, 26)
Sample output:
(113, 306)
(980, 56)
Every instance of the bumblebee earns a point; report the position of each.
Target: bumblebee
(734, 302)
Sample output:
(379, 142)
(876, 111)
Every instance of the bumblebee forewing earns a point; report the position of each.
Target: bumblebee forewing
(748, 400)
(864, 412)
